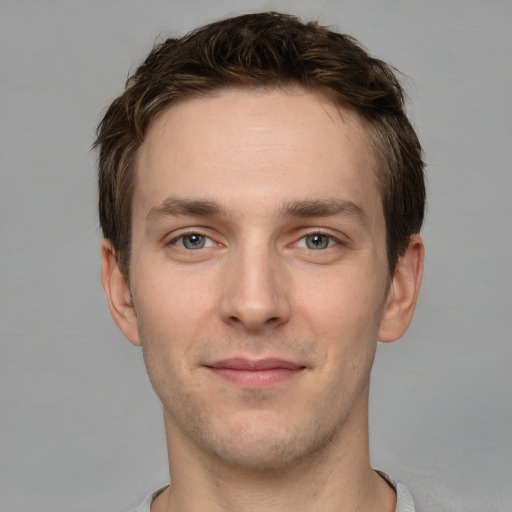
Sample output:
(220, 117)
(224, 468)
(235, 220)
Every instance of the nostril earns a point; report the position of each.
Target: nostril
(253, 322)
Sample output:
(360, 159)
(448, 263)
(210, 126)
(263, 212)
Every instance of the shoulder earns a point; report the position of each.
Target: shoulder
(145, 506)
(404, 501)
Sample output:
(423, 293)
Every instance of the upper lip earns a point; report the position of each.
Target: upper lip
(238, 363)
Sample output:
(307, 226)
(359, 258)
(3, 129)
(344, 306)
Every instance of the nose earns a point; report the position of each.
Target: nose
(255, 291)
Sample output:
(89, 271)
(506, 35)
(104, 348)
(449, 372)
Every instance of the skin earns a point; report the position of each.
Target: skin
(233, 192)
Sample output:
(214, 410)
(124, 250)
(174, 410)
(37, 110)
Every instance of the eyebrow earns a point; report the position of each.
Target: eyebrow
(323, 208)
(309, 208)
(174, 207)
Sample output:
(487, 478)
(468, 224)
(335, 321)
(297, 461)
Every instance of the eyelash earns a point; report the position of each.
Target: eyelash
(174, 242)
(209, 242)
(331, 240)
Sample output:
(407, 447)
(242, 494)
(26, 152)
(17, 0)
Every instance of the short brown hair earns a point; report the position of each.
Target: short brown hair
(263, 50)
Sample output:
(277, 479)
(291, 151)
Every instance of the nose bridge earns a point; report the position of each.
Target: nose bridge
(255, 289)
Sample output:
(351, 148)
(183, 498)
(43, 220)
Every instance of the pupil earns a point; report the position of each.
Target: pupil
(193, 241)
(317, 242)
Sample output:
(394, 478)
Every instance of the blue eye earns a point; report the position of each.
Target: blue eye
(318, 241)
(193, 241)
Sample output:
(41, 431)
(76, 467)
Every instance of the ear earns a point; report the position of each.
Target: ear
(118, 293)
(403, 292)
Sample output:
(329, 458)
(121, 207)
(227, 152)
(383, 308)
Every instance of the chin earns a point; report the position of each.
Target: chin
(260, 445)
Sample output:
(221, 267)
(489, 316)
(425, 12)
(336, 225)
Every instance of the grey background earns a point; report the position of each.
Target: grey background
(80, 429)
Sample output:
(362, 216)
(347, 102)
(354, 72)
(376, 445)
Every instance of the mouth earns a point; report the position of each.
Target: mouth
(255, 374)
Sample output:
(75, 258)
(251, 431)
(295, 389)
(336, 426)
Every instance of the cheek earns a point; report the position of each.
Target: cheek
(172, 300)
(168, 325)
(342, 304)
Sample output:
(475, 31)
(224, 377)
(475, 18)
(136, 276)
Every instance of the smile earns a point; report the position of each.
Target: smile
(255, 374)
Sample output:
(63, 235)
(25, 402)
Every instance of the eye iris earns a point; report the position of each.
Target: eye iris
(317, 241)
(193, 241)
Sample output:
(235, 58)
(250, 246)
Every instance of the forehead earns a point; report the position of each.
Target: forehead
(254, 145)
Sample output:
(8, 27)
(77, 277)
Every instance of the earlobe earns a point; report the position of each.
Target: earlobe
(118, 294)
(403, 292)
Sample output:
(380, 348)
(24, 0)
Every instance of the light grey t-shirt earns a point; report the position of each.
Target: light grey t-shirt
(404, 501)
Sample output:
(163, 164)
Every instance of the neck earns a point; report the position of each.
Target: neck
(337, 477)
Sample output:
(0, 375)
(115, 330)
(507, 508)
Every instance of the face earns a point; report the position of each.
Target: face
(258, 273)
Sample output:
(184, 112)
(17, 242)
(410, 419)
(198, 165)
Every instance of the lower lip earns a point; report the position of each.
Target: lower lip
(256, 379)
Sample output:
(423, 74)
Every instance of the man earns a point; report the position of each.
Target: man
(261, 194)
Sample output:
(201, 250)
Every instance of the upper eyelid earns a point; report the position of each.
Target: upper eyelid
(173, 240)
(299, 234)
(208, 240)
(175, 234)
(322, 233)
(339, 237)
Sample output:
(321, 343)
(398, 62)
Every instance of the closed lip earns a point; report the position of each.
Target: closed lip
(255, 365)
